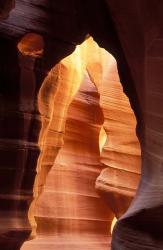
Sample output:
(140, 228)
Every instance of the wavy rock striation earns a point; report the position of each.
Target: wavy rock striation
(132, 32)
(67, 205)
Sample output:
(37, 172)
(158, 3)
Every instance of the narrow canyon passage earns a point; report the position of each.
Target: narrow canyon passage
(78, 196)
(33, 113)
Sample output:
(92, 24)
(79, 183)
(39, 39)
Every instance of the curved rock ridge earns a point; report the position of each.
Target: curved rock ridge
(120, 155)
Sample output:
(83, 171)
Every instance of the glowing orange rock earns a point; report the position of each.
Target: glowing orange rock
(68, 211)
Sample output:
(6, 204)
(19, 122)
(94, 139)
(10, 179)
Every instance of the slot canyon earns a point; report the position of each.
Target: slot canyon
(81, 125)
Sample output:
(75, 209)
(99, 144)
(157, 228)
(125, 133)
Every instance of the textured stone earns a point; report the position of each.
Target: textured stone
(132, 32)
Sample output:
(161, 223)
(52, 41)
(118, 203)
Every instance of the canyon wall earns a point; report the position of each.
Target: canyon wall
(132, 33)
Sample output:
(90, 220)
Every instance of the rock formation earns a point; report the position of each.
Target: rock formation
(72, 207)
(132, 32)
(120, 154)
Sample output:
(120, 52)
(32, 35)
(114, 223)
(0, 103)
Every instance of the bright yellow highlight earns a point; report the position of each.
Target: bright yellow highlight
(102, 138)
(113, 224)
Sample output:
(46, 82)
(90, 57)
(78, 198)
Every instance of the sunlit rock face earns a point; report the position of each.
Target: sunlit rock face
(69, 211)
(121, 152)
(55, 96)
(70, 214)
